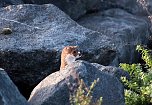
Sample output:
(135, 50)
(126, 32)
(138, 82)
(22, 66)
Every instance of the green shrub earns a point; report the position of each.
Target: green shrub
(146, 55)
(138, 90)
(83, 95)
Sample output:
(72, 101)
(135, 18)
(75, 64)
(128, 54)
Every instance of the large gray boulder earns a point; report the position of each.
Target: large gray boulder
(125, 29)
(9, 94)
(39, 32)
(54, 89)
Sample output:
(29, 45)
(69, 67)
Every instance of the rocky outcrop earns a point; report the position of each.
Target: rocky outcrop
(32, 50)
(39, 32)
(54, 89)
(9, 94)
(125, 29)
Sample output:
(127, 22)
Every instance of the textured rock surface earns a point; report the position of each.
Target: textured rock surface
(125, 29)
(10, 2)
(53, 90)
(9, 94)
(131, 6)
(39, 33)
(74, 8)
(77, 8)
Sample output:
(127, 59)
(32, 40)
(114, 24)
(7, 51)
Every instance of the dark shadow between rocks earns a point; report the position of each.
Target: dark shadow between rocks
(108, 57)
(27, 69)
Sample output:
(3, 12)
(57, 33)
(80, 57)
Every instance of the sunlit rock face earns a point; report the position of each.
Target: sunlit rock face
(55, 88)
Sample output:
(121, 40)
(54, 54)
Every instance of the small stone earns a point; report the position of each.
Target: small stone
(6, 31)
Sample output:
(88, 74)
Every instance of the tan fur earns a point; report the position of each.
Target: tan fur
(72, 50)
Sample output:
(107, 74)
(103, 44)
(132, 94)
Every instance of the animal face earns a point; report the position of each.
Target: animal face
(72, 50)
(72, 54)
(69, 55)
